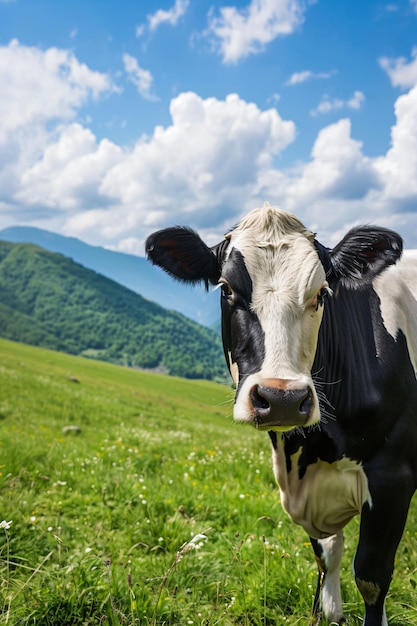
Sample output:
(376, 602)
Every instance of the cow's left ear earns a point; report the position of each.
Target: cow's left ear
(364, 253)
(183, 255)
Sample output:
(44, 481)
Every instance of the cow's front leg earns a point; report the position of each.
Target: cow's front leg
(382, 525)
(329, 555)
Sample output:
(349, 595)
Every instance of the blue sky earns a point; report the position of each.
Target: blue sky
(118, 118)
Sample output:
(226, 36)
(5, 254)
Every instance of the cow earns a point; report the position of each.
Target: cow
(322, 346)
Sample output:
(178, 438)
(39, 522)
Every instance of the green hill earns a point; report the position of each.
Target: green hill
(48, 300)
(131, 271)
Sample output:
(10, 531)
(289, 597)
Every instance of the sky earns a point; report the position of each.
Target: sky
(118, 118)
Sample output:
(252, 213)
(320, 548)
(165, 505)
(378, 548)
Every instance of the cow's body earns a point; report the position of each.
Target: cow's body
(334, 385)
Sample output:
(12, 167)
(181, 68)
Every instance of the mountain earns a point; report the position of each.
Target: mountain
(135, 273)
(46, 299)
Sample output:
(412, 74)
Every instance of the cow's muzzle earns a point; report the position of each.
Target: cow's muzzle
(278, 403)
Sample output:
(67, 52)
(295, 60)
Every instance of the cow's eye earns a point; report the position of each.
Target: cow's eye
(227, 292)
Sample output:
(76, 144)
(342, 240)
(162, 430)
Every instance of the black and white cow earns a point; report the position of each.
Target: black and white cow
(322, 345)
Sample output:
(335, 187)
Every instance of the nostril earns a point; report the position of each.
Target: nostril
(307, 403)
(259, 403)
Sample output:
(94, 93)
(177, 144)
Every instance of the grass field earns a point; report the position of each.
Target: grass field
(156, 509)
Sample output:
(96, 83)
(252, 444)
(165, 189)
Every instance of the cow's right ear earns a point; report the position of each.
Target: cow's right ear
(183, 255)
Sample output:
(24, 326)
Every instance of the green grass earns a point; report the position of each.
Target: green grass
(103, 520)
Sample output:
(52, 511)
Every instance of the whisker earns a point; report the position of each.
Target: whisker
(320, 381)
(323, 398)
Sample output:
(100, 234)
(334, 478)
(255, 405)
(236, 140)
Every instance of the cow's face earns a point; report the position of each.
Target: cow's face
(272, 283)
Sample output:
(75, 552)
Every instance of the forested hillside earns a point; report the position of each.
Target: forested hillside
(131, 271)
(48, 300)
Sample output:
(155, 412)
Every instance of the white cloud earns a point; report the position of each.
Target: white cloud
(142, 79)
(401, 72)
(331, 188)
(54, 173)
(172, 16)
(41, 90)
(238, 33)
(414, 4)
(40, 85)
(340, 186)
(203, 166)
(355, 102)
(70, 172)
(302, 77)
(398, 167)
(214, 161)
(337, 170)
(327, 104)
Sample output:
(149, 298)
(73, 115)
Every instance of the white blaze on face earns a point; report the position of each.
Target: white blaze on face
(286, 277)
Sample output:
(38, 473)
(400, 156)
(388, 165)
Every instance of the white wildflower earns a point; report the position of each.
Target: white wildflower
(6, 525)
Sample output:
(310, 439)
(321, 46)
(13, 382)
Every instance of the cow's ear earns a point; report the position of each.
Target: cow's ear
(364, 253)
(183, 255)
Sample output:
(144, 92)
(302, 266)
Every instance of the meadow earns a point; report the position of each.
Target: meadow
(130, 498)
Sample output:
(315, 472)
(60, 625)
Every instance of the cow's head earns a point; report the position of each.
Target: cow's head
(273, 277)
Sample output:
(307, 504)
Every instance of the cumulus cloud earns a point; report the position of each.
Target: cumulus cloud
(302, 77)
(398, 167)
(203, 166)
(68, 177)
(40, 85)
(402, 73)
(338, 169)
(41, 90)
(215, 160)
(238, 33)
(340, 186)
(172, 16)
(141, 78)
(333, 104)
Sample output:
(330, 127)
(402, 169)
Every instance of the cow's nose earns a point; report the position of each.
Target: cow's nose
(281, 407)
